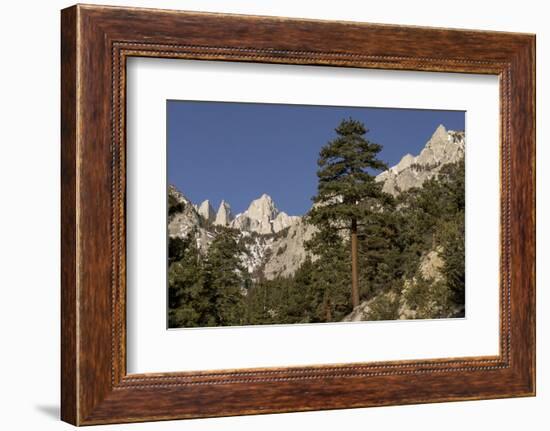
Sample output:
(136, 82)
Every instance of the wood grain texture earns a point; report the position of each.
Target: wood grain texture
(96, 41)
(69, 397)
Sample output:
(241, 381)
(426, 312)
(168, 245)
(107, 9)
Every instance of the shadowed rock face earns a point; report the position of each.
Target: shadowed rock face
(445, 146)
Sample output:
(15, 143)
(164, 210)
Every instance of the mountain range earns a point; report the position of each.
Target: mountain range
(262, 216)
(274, 240)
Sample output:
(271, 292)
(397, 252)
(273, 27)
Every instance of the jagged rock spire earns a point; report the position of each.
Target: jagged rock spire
(263, 217)
(262, 209)
(206, 211)
(223, 216)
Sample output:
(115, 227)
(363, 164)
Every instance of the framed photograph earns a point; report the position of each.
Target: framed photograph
(266, 215)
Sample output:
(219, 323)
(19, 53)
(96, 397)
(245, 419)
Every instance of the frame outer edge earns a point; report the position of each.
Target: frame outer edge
(533, 54)
(532, 101)
(88, 397)
(530, 63)
(523, 208)
(69, 201)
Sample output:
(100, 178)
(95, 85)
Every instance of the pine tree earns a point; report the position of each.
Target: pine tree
(380, 258)
(299, 307)
(225, 280)
(331, 276)
(347, 191)
(174, 206)
(186, 299)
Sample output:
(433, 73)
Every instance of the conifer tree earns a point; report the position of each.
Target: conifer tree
(225, 278)
(347, 191)
(299, 308)
(332, 276)
(187, 302)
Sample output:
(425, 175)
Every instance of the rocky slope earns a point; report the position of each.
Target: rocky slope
(288, 251)
(430, 268)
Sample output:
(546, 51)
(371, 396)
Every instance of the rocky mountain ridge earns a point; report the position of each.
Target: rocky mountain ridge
(262, 216)
(274, 241)
(445, 146)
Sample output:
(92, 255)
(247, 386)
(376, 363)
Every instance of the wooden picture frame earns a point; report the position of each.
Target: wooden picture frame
(95, 43)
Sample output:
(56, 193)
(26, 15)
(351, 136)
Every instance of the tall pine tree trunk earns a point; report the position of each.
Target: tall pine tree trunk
(328, 311)
(354, 270)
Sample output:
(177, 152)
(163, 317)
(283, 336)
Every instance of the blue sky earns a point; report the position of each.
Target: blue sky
(237, 151)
